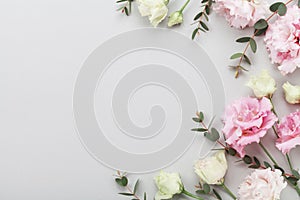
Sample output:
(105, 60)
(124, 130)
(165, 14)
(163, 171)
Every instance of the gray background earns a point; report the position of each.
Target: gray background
(43, 46)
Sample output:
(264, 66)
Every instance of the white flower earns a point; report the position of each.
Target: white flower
(262, 185)
(156, 10)
(175, 18)
(168, 184)
(292, 93)
(263, 85)
(212, 170)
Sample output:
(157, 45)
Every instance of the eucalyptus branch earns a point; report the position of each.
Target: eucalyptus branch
(126, 7)
(198, 19)
(122, 180)
(261, 26)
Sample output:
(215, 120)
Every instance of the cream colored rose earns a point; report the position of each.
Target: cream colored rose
(262, 185)
(263, 85)
(212, 170)
(292, 93)
(156, 10)
(175, 18)
(168, 184)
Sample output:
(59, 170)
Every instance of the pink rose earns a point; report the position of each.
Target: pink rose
(241, 13)
(262, 185)
(288, 132)
(282, 41)
(246, 121)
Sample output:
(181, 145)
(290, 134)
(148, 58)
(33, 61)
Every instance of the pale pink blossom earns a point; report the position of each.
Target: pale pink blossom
(246, 121)
(282, 41)
(262, 184)
(289, 132)
(241, 13)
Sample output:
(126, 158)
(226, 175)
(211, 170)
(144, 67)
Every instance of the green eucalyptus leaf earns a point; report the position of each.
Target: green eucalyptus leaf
(206, 188)
(126, 194)
(256, 161)
(274, 6)
(195, 33)
(253, 45)
(135, 186)
(261, 24)
(243, 39)
(277, 167)
(246, 59)
(296, 174)
(201, 116)
(196, 119)
(145, 196)
(236, 55)
(247, 159)
(199, 129)
(213, 135)
(282, 9)
(198, 16)
(231, 151)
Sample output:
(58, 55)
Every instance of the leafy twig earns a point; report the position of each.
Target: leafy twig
(122, 180)
(260, 27)
(126, 7)
(198, 19)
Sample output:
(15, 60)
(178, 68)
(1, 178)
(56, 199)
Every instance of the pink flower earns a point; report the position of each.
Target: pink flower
(241, 13)
(246, 121)
(262, 185)
(288, 132)
(282, 41)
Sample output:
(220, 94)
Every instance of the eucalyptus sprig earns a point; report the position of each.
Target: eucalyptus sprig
(260, 27)
(198, 19)
(122, 180)
(205, 189)
(126, 6)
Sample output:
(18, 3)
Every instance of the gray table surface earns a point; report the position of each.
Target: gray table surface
(43, 46)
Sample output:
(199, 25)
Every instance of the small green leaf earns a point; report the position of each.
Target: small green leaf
(261, 24)
(218, 196)
(199, 129)
(195, 33)
(282, 9)
(126, 11)
(247, 159)
(267, 165)
(236, 55)
(198, 16)
(274, 6)
(204, 25)
(296, 173)
(231, 151)
(256, 161)
(135, 186)
(299, 3)
(123, 181)
(201, 116)
(293, 180)
(243, 39)
(200, 192)
(253, 45)
(253, 167)
(206, 188)
(213, 135)
(126, 194)
(196, 119)
(145, 196)
(247, 60)
(207, 10)
(120, 1)
(260, 32)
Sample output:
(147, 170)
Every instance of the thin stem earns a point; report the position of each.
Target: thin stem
(183, 7)
(267, 153)
(289, 162)
(191, 195)
(273, 107)
(274, 129)
(228, 191)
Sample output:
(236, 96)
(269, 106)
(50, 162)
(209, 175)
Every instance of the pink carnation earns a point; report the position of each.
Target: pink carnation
(282, 41)
(289, 132)
(241, 13)
(246, 121)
